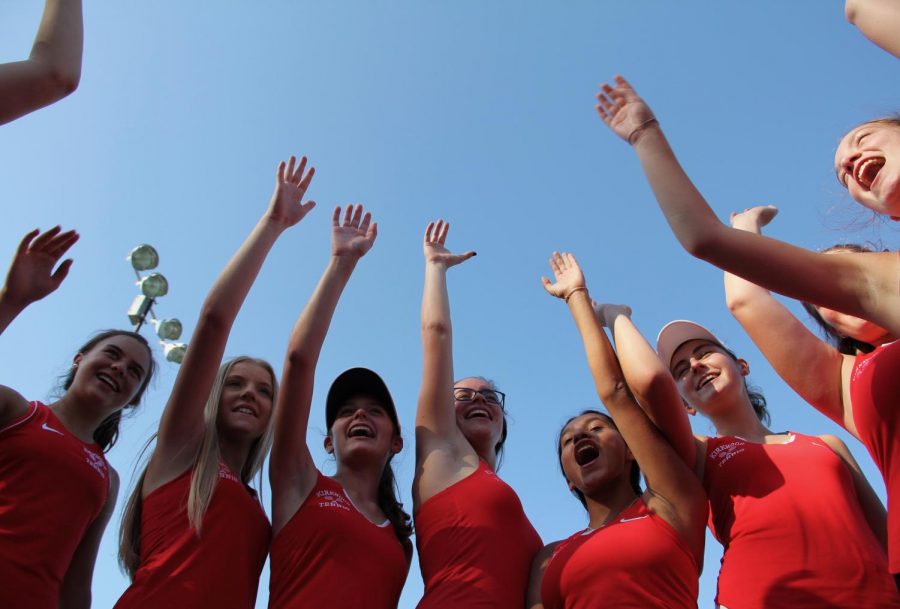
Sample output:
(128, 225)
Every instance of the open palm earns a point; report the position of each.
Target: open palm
(286, 207)
(31, 276)
(622, 109)
(435, 250)
(567, 274)
(355, 235)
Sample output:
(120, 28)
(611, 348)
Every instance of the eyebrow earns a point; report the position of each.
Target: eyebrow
(120, 353)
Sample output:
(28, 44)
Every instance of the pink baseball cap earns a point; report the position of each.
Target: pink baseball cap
(676, 333)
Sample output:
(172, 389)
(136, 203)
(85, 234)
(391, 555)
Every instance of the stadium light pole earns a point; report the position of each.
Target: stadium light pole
(153, 286)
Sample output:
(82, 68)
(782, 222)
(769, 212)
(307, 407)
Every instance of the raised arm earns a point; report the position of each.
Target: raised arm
(809, 365)
(650, 381)
(680, 497)
(878, 20)
(436, 429)
(53, 69)
(291, 469)
(863, 285)
(181, 426)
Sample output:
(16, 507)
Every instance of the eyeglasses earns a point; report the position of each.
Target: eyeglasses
(491, 396)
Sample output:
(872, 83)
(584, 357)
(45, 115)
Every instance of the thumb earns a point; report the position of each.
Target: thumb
(61, 273)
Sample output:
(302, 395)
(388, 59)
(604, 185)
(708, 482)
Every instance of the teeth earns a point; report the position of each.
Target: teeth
(478, 412)
(108, 380)
(360, 430)
(867, 170)
(245, 410)
(706, 380)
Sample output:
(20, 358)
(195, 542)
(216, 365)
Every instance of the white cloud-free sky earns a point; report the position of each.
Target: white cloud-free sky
(481, 113)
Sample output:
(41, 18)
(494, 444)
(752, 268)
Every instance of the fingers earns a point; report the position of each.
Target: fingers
(43, 239)
(279, 173)
(336, 217)
(61, 244)
(61, 273)
(554, 265)
(547, 285)
(304, 182)
(366, 219)
(348, 214)
(372, 232)
(26, 241)
(437, 232)
(428, 231)
(288, 174)
(298, 175)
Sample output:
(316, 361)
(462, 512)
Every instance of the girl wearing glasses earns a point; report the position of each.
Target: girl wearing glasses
(860, 285)
(475, 542)
(57, 491)
(340, 541)
(641, 549)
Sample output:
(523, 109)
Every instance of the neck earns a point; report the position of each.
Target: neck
(741, 422)
(234, 454)
(80, 419)
(361, 483)
(604, 505)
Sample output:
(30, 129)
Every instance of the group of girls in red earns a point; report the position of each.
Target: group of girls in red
(800, 525)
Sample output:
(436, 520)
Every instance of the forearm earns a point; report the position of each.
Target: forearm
(435, 303)
(604, 365)
(435, 411)
(692, 220)
(741, 294)
(878, 20)
(8, 311)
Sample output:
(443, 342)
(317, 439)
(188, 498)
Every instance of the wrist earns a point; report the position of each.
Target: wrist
(579, 292)
(640, 132)
(344, 262)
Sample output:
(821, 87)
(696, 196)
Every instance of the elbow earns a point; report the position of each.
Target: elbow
(60, 82)
(736, 303)
(298, 359)
(612, 392)
(213, 318)
(437, 328)
(850, 9)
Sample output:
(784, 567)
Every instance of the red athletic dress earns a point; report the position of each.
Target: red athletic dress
(52, 487)
(330, 555)
(875, 394)
(794, 534)
(475, 545)
(220, 569)
(637, 561)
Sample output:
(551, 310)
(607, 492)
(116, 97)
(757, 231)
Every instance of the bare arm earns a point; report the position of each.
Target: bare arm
(53, 69)
(864, 285)
(650, 381)
(810, 366)
(291, 469)
(75, 592)
(671, 480)
(436, 429)
(181, 426)
(871, 505)
(878, 20)
(533, 598)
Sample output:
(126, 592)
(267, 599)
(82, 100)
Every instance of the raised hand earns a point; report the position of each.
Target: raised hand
(356, 235)
(31, 275)
(607, 312)
(435, 252)
(753, 219)
(568, 275)
(623, 111)
(286, 207)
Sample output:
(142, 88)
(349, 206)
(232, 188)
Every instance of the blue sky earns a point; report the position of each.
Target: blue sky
(481, 113)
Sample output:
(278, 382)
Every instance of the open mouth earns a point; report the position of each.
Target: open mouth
(478, 413)
(246, 410)
(867, 170)
(360, 430)
(586, 452)
(108, 381)
(706, 379)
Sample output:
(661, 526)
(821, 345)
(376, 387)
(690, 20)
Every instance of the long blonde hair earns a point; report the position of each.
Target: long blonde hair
(205, 471)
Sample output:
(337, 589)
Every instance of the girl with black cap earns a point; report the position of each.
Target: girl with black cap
(340, 541)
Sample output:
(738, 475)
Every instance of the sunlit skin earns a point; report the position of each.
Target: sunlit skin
(109, 376)
(707, 377)
(867, 162)
(480, 421)
(363, 431)
(246, 402)
(594, 457)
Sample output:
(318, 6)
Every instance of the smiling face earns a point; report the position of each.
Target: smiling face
(867, 163)
(707, 377)
(593, 455)
(112, 373)
(481, 418)
(245, 405)
(363, 429)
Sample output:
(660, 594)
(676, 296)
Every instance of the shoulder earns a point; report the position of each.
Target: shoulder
(836, 444)
(12, 405)
(542, 558)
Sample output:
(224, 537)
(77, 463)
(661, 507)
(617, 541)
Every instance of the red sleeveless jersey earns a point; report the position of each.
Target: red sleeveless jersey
(330, 555)
(793, 531)
(875, 393)
(52, 487)
(219, 569)
(475, 545)
(637, 561)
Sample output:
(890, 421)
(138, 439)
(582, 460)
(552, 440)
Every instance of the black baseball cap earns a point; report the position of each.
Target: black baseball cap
(358, 381)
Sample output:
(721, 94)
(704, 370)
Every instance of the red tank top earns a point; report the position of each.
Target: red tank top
(875, 393)
(637, 561)
(792, 528)
(330, 555)
(52, 487)
(475, 545)
(219, 569)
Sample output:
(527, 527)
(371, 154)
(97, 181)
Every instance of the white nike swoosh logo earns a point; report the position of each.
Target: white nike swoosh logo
(630, 519)
(48, 428)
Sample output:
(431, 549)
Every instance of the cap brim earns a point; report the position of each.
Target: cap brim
(676, 333)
